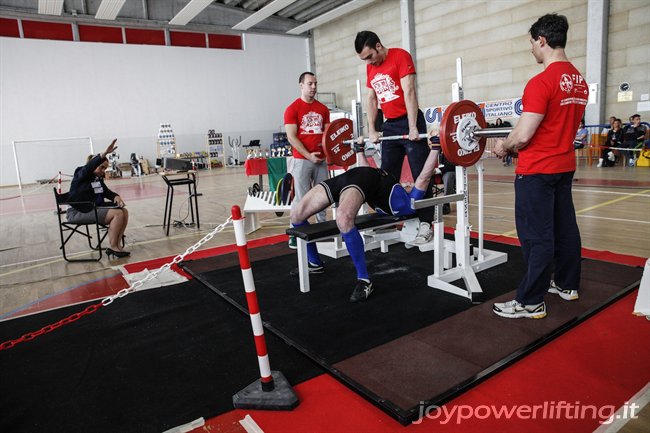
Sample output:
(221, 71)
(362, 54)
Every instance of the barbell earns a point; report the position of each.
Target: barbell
(463, 136)
(388, 138)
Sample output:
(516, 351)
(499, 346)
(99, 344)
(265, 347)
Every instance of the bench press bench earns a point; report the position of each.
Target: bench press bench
(328, 230)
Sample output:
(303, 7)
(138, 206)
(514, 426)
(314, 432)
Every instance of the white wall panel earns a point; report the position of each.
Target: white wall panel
(71, 89)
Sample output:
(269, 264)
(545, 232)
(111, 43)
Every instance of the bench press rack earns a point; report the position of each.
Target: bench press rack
(468, 262)
(460, 134)
(328, 230)
(261, 201)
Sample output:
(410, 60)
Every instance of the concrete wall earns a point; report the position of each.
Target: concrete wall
(628, 55)
(492, 38)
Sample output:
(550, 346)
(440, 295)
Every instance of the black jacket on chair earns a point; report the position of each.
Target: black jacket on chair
(81, 188)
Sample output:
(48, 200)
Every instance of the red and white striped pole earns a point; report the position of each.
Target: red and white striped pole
(59, 184)
(251, 299)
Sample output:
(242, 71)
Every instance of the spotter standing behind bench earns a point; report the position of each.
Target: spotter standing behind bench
(350, 190)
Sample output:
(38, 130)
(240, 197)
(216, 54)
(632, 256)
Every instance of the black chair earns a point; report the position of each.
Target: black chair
(68, 229)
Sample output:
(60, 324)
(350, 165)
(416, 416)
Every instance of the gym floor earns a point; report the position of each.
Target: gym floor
(612, 205)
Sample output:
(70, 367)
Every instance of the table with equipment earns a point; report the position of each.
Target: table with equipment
(275, 168)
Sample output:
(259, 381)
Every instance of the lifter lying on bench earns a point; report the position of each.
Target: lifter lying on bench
(350, 190)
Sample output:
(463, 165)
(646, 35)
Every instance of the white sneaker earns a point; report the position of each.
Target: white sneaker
(600, 163)
(566, 294)
(631, 162)
(514, 310)
(611, 156)
(425, 234)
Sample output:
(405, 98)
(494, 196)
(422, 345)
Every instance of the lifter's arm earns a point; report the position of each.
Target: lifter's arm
(422, 182)
(359, 148)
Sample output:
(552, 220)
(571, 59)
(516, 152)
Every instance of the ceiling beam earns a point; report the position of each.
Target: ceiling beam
(255, 4)
(316, 10)
(191, 10)
(329, 16)
(262, 14)
(50, 7)
(290, 10)
(109, 9)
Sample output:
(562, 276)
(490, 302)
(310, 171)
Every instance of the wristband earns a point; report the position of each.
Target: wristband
(434, 143)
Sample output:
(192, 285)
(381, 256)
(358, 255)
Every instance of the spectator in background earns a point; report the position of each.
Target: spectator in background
(305, 121)
(633, 138)
(612, 119)
(614, 139)
(581, 136)
(135, 163)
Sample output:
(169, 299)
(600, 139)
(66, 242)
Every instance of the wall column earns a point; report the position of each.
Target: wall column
(408, 26)
(596, 63)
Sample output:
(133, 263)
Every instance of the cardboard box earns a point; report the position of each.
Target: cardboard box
(125, 167)
(146, 169)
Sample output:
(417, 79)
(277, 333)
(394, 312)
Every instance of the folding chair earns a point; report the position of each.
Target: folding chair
(68, 229)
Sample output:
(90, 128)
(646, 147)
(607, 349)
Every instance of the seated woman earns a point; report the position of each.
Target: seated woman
(88, 186)
(580, 140)
(614, 139)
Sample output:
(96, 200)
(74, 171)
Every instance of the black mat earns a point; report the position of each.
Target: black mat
(336, 334)
(148, 362)
(401, 302)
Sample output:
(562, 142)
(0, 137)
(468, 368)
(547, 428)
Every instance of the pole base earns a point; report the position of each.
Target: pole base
(281, 397)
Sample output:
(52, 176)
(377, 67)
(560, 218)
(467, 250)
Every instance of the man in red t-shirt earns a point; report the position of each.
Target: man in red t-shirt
(391, 84)
(554, 103)
(305, 121)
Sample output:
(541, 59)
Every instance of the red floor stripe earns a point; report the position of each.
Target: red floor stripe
(578, 181)
(601, 362)
(94, 290)
(202, 254)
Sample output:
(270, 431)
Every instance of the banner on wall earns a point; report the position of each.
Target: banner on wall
(492, 110)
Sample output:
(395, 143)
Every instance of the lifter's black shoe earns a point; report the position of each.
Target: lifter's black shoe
(362, 291)
(313, 269)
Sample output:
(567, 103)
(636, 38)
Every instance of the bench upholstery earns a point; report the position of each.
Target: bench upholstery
(328, 229)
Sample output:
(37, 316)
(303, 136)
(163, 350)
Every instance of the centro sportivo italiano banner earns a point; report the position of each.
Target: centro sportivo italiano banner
(492, 110)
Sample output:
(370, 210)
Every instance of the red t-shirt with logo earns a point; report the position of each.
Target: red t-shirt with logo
(311, 119)
(560, 93)
(385, 81)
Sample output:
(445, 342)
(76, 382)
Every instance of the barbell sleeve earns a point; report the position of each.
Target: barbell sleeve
(492, 132)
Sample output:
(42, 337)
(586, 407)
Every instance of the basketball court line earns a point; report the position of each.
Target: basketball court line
(587, 209)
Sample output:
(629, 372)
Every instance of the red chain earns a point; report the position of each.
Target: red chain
(49, 328)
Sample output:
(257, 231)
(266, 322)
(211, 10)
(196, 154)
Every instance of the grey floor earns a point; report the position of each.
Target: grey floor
(611, 218)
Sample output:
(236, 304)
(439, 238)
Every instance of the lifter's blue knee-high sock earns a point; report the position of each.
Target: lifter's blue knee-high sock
(312, 251)
(354, 244)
